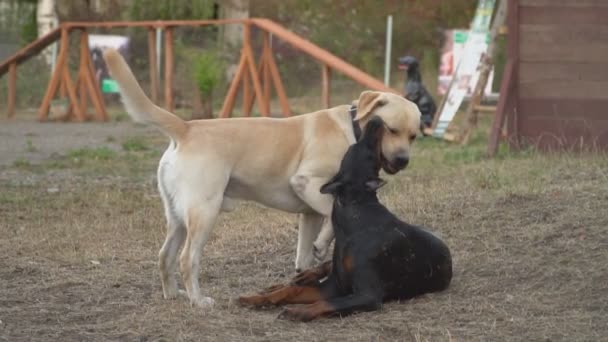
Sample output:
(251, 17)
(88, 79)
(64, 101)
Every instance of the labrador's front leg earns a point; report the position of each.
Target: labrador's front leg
(309, 226)
(307, 188)
(320, 247)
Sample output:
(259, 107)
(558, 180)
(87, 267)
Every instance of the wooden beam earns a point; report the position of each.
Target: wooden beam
(325, 86)
(264, 68)
(513, 44)
(278, 85)
(12, 89)
(150, 23)
(83, 68)
(71, 93)
(169, 69)
(487, 62)
(255, 77)
(152, 60)
(234, 87)
(322, 55)
(248, 98)
(30, 50)
(261, 71)
(92, 83)
(51, 90)
(506, 93)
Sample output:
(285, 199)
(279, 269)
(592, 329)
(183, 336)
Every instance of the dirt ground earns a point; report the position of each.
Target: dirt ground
(80, 233)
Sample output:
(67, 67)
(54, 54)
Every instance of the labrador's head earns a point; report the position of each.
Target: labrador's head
(360, 166)
(402, 124)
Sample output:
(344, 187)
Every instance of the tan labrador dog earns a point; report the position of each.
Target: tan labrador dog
(280, 163)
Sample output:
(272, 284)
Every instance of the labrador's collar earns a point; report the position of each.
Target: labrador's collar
(356, 127)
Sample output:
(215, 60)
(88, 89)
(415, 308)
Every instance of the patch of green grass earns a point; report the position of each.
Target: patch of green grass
(121, 116)
(99, 153)
(135, 144)
(30, 146)
(22, 164)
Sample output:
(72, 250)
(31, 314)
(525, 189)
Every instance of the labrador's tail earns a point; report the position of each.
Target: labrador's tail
(138, 105)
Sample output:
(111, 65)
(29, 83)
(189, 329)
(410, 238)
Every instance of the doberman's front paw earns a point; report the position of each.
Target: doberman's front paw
(297, 314)
(255, 301)
(271, 289)
(306, 278)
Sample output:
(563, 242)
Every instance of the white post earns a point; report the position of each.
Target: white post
(159, 49)
(389, 42)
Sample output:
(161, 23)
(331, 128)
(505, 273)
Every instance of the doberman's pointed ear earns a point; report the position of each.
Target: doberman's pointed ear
(375, 184)
(368, 102)
(332, 186)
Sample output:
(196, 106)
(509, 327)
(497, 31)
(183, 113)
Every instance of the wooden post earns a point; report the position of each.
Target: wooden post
(12, 88)
(255, 77)
(71, 92)
(513, 54)
(504, 105)
(234, 87)
(248, 105)
(486, 66)
(325, 85)
(152, 60)
(169, 105)
(51, 90)
(278, 84)
(81, 84)
(247, 96)
(264, 69)
(91, 81)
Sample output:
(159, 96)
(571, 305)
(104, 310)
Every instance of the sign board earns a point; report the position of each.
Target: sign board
(451, 54)
(98, 42)
(475, 45)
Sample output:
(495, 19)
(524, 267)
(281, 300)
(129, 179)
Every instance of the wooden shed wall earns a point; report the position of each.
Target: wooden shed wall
(562, 72)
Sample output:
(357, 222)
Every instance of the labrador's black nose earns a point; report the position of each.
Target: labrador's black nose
(401, 161)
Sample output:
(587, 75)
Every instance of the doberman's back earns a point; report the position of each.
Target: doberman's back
(408, 259)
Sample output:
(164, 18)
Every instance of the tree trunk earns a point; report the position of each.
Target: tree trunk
(202, 106)
(46, 19)
(234, 9)
(231, 35)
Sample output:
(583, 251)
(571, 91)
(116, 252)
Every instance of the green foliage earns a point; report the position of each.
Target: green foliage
(29, 30)
(208, 72)
(100, 153)
(170, 9)
(22, 164)
(30, 146)
(135, 144)
(355, 30)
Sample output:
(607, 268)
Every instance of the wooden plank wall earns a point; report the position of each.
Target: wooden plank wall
(562, 74)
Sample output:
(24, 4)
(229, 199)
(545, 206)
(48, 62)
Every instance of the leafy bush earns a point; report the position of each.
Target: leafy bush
(208, 72)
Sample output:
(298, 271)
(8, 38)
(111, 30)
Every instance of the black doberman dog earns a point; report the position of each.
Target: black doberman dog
(377, 257)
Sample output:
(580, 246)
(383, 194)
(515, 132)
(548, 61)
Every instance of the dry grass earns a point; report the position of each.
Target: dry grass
(81, 232)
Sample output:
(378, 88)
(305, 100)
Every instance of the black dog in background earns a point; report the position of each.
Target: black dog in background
(377, 257)
(416, 92)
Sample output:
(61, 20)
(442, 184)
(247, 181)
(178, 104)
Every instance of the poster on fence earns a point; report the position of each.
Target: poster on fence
(451, 54)
(475, 45)
(98, 42)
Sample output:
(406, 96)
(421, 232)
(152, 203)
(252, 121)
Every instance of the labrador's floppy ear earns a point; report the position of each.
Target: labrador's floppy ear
(331, 187)
(368, 101)
(375, 184)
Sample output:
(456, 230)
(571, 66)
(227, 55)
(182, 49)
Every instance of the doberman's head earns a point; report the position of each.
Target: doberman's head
(410, 65)
(358, 177)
